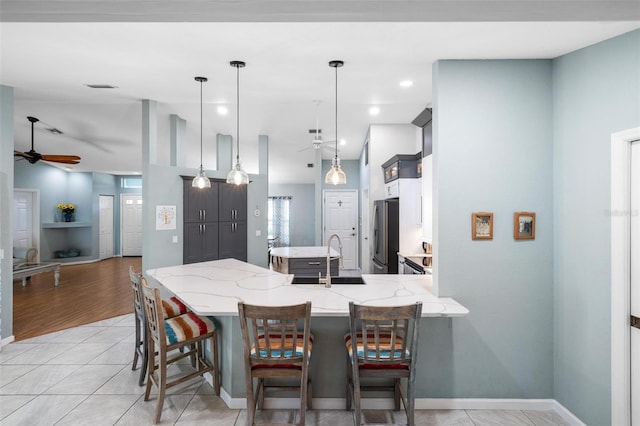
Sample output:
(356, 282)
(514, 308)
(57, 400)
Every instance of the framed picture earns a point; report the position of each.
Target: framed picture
(524, 225)
(482, 226)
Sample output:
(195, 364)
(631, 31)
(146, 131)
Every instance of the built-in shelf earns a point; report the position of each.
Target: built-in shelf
(67, 225)
(78, 259)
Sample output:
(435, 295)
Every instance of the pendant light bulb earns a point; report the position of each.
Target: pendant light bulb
(237, 176)
(201, 181)
(335, 175)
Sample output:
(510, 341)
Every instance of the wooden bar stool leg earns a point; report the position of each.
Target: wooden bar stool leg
(145, 356)
(396, 393)
(216, 375)
(138, 340)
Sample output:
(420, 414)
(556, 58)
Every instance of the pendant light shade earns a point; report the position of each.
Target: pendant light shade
(335, 176)
(201, 181)
(238, 176)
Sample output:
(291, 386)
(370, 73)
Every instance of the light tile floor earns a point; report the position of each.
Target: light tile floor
(83, 376)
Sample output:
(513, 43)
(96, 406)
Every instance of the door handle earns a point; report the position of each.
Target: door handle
(204, 215)
(635, 321)
(200, 226)
(204, 228)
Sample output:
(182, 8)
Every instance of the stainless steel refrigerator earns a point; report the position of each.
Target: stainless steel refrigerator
(386, 240)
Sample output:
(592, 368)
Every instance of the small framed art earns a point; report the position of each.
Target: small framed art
(482, 226)
(524, 225)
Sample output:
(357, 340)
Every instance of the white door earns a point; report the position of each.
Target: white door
(106, 226)
(131, 225)
(341, 217)
(23, 219)
(365, 255)
(635, 282)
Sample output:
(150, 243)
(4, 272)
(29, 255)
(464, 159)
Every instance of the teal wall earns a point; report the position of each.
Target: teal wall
(6, 211)
(302, 212)
(493, 153)
(596, 93)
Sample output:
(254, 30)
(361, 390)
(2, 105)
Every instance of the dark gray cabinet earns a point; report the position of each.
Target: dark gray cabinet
(311, 266)
(215, 222)
(200, 223)
(232, 214)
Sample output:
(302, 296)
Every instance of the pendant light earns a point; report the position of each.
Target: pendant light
(335, 176)
(201, 181)
(237, 175)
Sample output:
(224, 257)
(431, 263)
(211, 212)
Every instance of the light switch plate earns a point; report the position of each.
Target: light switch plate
(175, 239)
(258, 233)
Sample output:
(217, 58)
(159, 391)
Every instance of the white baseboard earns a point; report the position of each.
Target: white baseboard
(421, 404)
(7, 340)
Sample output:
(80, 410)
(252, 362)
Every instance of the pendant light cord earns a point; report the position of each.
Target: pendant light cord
(237, 114)
(336, 113)
(201, 81)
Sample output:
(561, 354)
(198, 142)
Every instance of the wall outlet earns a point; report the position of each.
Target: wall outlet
(258, 233)
(174, 239)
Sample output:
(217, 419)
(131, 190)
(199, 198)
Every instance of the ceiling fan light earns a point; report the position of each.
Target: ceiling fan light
(237, 176)
(335, 175)
(201, 181)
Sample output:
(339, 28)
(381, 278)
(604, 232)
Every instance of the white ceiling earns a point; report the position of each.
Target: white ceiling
(49, 65)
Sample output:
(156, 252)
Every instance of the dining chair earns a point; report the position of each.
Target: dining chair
(170, 307)
(276, 347)
(382, 343)
(166, 336)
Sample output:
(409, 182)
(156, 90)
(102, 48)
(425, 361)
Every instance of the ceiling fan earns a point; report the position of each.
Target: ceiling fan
(317, 142)
(32, 156)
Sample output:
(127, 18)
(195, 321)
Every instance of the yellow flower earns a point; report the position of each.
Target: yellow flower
(67, 208)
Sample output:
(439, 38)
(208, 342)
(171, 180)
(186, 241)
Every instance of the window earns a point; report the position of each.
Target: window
(278, 221)
(132, 182)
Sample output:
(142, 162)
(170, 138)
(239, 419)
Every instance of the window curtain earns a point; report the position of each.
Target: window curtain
(279, 221)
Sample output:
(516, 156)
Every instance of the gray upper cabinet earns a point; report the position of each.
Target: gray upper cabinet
(232, 206)
(232, 213)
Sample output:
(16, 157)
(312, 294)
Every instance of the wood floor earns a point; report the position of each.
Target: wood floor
(88, 292)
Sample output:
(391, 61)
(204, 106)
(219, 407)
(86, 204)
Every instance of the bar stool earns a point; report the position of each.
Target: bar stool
(171, 307)
(386, 346)
(166, 335)
(274, 348)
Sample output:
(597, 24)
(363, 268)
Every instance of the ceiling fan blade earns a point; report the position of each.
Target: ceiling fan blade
(22, 154)
(67, 159)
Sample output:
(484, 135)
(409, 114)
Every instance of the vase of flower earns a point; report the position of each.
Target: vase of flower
(68, 211)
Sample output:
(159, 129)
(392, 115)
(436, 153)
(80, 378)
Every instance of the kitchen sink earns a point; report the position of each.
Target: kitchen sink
(306, 279)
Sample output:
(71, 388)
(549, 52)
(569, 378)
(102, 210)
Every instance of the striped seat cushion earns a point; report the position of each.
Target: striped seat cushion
(187, 326)
(386, 346)
(173, 307)
(274, 343)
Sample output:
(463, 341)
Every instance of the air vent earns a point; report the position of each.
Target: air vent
(310, 165)
(101, 86)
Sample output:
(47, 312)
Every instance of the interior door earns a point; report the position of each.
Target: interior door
(635, 283)
(131, 225)
(341, 217)
(22, 219)
(106, 226)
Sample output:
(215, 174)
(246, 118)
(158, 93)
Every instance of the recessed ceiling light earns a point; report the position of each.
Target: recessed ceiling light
(101, 86)
(222, 110)
(343, 142)
(374, 110)
(406, 83)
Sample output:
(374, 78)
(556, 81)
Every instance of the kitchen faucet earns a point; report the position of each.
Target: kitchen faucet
(327, 279)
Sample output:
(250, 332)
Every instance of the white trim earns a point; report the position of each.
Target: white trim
(421, 404)
(6, 341)
(620, 275)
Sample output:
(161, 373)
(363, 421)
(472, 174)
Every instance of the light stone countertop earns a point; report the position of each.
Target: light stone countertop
(216, 287)
(302, 252)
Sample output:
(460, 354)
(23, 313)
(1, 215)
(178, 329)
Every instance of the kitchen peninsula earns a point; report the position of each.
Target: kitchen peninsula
(216, 287)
